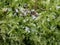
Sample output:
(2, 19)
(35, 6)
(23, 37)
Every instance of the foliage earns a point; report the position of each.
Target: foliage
(24, 30)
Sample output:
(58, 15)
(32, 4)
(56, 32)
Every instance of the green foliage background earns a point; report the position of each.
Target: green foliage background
(44, 30)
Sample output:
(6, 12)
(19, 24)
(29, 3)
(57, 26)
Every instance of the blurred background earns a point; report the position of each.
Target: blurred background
(29, 22)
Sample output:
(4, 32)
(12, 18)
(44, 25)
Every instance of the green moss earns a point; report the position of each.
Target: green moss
(16, 29)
